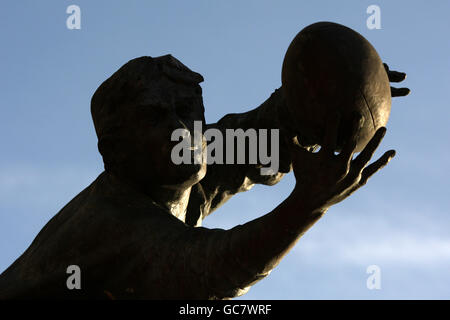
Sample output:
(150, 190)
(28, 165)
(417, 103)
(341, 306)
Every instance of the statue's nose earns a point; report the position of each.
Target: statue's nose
(176, 123)
(183, 125)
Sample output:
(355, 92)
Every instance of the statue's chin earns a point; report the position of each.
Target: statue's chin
(186, 175)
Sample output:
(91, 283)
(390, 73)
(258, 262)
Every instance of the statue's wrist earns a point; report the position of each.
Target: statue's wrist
(307, 203)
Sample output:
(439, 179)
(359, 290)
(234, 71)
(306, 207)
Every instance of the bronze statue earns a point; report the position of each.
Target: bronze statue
(136, 233)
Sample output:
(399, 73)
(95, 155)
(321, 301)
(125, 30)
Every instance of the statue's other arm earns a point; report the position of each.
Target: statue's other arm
(221, 264)
(224, 180)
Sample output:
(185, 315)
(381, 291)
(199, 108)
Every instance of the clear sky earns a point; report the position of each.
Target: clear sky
(399, 221)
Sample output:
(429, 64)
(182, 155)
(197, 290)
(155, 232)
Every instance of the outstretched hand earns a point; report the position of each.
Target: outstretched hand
(325, 178)
(395, 76)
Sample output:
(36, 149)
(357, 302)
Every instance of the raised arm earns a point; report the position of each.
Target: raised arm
(222, 181)
(226, 263)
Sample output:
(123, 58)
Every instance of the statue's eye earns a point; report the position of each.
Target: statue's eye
(152, 114)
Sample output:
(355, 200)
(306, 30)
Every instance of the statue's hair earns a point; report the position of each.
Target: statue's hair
(120, 90)
(116, 95)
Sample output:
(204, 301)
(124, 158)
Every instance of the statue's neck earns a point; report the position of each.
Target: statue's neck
(174, 200)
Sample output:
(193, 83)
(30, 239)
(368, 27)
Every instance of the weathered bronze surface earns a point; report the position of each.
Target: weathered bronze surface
(136, 232)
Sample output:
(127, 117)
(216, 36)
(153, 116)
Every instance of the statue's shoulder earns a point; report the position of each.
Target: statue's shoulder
(101, 221)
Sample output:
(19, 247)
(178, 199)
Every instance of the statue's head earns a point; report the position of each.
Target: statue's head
(135, 112)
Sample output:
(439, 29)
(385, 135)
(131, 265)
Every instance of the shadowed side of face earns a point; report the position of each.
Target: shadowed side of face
(135, 112)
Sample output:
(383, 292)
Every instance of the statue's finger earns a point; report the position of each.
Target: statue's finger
(298, 152)
(377, 165)
(350, 145)
(399, 92)
(331, 134)
(395, 76)
(364, 157)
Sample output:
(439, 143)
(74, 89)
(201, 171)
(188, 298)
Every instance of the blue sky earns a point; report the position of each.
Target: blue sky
(398, 221)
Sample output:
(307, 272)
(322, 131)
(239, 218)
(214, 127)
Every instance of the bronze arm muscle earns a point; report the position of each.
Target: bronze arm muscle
(237, 258)
(223, 181)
